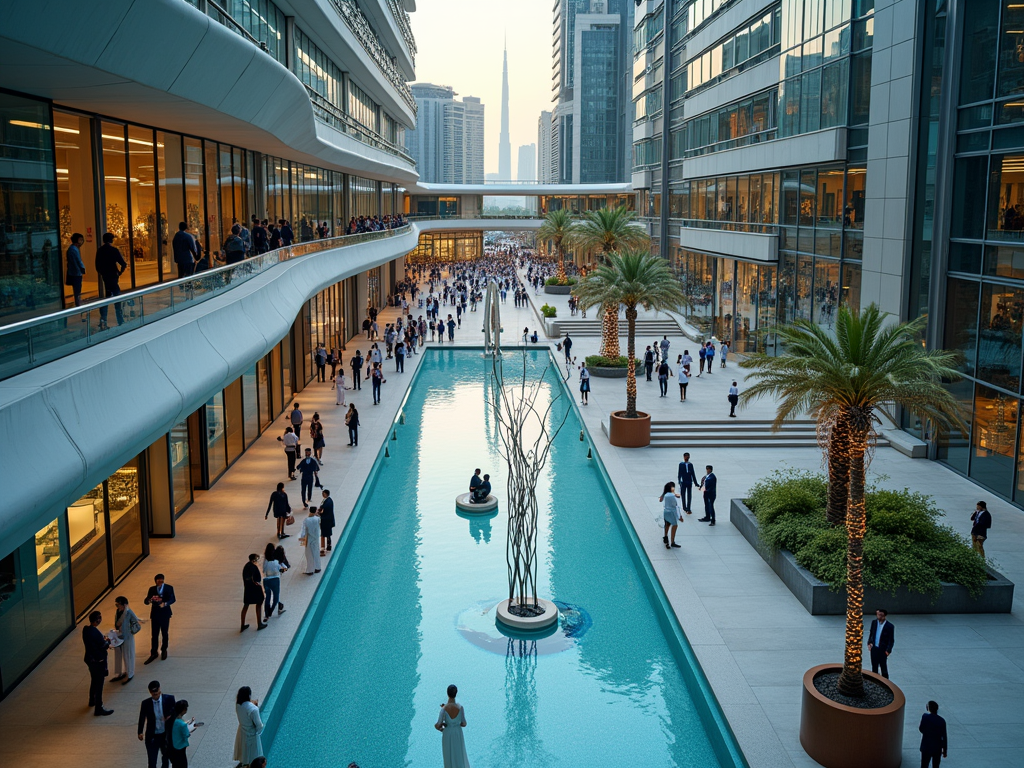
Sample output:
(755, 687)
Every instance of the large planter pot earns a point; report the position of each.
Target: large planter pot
(609, 373)
(559, 290)
(838, 736)
(629, 433)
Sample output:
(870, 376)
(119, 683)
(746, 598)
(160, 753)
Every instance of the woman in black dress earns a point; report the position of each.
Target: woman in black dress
(316, 431)
(253, 594)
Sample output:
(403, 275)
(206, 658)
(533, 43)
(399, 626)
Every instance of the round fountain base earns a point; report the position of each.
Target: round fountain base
(528, 623)
(463, 504)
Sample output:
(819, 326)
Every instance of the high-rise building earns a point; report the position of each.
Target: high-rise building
(504, 145)
(526, 170)
(593, 113)
(448, 141)
(544, 174)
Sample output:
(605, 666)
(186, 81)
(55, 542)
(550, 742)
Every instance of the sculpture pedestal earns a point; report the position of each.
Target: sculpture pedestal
(528, 623)
(463, 504)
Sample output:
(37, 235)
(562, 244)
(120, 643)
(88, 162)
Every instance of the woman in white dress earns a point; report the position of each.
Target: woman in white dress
(450, 723)
(126, 624)
(248, 745)
(309, 538)
(339, 384)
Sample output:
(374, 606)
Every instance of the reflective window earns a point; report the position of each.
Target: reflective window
(216, 450)
(181, 475)
(250, 405)
(233, 418)
(967, 216)
(1006, 197)
(965, 257)
(125, 514)
(115, 191)
(994, 438)
(961, 335)
(75, 185)
(1000, 260)
(954, 447)
(316, 70)
(980, 43)
(87, 536)
(169, 162)
(144, 234)
(999, 335)
(1010, 79)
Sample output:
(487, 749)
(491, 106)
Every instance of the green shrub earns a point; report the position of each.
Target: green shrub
(548, 311)
(560, 281)
(904, 543)
(596, 361)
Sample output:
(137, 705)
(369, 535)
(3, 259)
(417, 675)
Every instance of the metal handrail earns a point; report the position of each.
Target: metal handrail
(405, 26)
(470, 217)
(39, 340)
(329, 113)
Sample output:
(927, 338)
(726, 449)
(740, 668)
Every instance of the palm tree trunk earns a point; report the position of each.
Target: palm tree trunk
(631, 367)
(561, 262)
(838, 471)
(610, 332)
(851, 681)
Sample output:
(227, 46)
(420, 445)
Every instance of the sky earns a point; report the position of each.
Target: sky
(460, 44)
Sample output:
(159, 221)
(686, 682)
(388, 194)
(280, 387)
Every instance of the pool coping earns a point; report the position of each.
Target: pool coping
(720, 734)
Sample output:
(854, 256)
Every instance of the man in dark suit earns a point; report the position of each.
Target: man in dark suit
(159, 600)
(880, 641)
(155, 717)
(709, 484)
(982, 520)
(933, 737)
(96, 659)
(687, 479)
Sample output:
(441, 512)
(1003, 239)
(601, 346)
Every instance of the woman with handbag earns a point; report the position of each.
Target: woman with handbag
(252, 592)
(316, 432)
(274, 565)
(127, 625)
(309, 539)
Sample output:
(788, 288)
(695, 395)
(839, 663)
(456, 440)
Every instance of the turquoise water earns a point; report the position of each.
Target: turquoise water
(409, 610)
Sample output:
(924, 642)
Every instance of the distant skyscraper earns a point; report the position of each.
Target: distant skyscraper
(527, 167)
(448, 142)
(544, 174)
(504, 146)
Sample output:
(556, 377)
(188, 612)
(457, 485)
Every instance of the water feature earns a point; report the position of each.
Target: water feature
(407, 607)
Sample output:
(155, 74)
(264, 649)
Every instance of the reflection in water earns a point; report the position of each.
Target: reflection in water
(520, 744)
(479, 525)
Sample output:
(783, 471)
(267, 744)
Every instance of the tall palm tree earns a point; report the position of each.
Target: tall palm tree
(633, 278)
(607, 230)
(558, 227)
(842, 381)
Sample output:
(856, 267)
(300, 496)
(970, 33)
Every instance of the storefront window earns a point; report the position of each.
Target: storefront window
(1011, 43)
(216, 450)
(142, 163)
(967, 216)
(263, 393)
(195, 208)
(233, 414)
(76, 194)
(994, 439)
(125, 517)
(745, 320)
(250, 407)
(213, 212)
(115, 190)
(979, 51)
(826, 291)
(725, 288)
(181, 472)
(999, 336)
(172, 196)
(954, 447)
(87, 536)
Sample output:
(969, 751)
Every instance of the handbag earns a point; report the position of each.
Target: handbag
(290, 520)
(133, 625)
(302, 541)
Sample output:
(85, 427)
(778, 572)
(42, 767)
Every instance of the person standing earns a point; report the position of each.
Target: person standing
(252, 591)
(702, 353)
(357, 370)
(400, 357)
(110, 265)
(155, 717)
(96, 646)
(309, 470)
(321, 363)
(248, 745)
(316, 434)
(451, 329)
(934, 745)
(291, 445)
(376, 381)
(982, 521)
(567, 348)
(75, 267)
(649, 362)
(687, 479)
(670, 513)
(159, 599)
(450, 722)
(279, 503)
(664, 344)
(352, 422)
(309, 539)
(272, 570)
(180, 731)
(296, 419)
(683, 374)
(725, 352)
(339, 386)
(734, 399)
(327, 522)
(664, 371)
(584, 384)
(881, 640)
(711, 358)
(709, 484)
(186, 255)
(127, 625)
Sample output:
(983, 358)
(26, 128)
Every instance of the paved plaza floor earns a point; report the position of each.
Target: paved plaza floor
(753, 639)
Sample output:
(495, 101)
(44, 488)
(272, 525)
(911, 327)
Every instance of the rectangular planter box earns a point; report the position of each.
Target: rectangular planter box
(819, 600)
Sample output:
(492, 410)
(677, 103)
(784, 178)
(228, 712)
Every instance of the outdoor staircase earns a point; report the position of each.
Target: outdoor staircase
(646, 330)
(737, 433)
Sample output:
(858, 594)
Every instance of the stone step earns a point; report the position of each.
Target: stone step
(730, 441)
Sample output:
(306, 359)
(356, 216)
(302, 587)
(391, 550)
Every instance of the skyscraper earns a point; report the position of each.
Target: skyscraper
(527, 167)
(448, 141)
(544, 148)
(504, 146)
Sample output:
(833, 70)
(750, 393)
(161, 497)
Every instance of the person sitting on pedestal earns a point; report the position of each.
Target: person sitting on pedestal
(485, 488)
(475, 484)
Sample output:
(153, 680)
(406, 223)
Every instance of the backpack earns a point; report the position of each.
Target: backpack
(234, 244)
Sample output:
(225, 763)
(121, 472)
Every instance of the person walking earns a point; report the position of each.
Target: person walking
(357, 369)
(282, 510)
(296, 418)
(110, 265)
(327, 522)
(567, 347)
(881, 639)
(664, 344)
(127, 625)
(982, 521)
(309, 539)
(376, 357)
(450, 722)
(687, 479)
(316, 434)
(725, 352)
(272, 570)
(339, 386)
(584, 385)
(670, 513)
(709, 485)
(291, 445)
(934, 745)
(155, 716)
(352, 422)
(711, 358)
(180, 732)
(75, 269)
(400, 357)
(649, 362)
(186, 254)
(309, 471)
(320, 356)
(664, 371)
(248, 745)
(734, 399)
(702, 353)
(252, 591)
(159, 599)
(376, 381)
(96, 645)
(683, 374)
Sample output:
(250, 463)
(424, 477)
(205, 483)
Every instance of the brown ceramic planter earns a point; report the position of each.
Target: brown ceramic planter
(629, 433)
(838, 736)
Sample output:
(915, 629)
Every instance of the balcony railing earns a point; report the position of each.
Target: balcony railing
(42, 340)
(403, 24)
(332, 115)
(361, 28)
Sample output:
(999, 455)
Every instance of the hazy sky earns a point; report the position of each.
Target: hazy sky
(460, 44)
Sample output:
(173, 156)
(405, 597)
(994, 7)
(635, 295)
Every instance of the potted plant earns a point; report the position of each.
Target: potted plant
(850, 717)
(631, 278)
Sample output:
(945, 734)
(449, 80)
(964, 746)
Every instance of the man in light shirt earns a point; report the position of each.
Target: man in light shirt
(734, 399)
(154, 716)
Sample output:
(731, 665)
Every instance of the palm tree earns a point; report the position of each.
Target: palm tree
(633, 278)
(558, 227)
(607, 230)
(842, 381)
